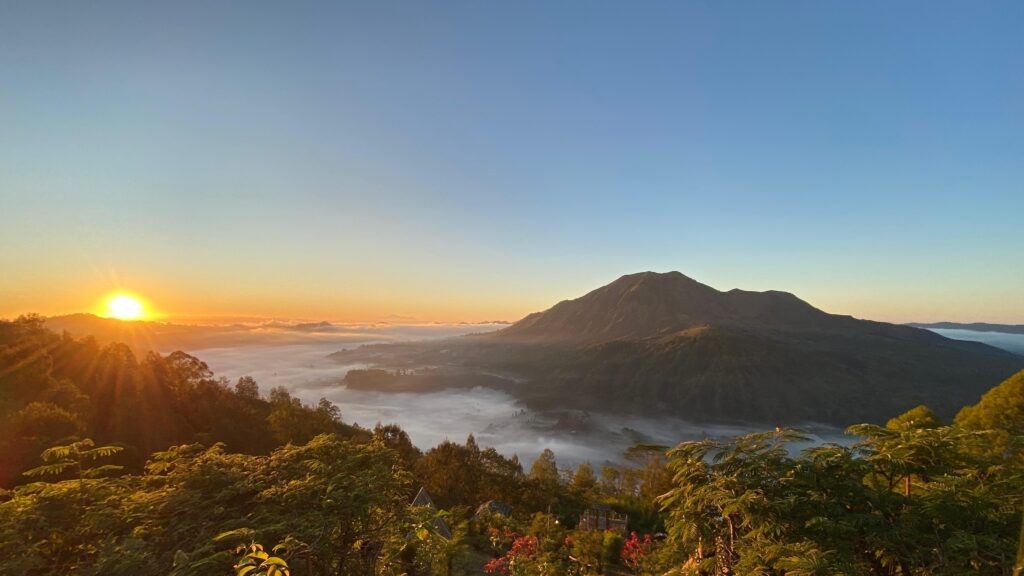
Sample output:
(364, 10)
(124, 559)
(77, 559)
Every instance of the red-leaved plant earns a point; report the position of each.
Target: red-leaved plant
(635, 550)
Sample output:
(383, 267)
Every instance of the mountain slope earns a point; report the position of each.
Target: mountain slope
(649, 304)
(664, 343)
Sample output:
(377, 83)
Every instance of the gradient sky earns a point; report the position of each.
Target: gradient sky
(481, 160)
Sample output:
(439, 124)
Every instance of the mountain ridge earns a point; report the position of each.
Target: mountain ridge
(650, 303)
(972, 326)
(664, 344)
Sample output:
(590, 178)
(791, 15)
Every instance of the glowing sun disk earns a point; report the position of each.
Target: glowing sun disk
(124, 307)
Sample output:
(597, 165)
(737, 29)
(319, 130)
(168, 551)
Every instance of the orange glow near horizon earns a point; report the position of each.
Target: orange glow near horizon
(125, 307)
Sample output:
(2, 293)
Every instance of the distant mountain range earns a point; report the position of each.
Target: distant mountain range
(144, 335)
(666, 344)
(972, 326)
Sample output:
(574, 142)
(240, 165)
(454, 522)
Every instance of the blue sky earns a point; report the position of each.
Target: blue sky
(478, 160)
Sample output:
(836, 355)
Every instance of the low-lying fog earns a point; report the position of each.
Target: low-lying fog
(493, 417)
(1011, 342)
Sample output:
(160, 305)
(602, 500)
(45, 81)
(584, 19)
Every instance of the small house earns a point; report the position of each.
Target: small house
(601, 517)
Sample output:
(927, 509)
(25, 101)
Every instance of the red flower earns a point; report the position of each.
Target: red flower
(497, 566)
(634, 550)
(523, 548)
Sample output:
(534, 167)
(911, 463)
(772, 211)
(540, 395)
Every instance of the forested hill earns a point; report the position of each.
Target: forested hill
(55, 387)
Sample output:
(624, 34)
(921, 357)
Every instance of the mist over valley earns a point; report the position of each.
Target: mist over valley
(445, 382)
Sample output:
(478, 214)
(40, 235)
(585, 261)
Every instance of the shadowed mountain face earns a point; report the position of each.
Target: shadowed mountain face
(664, 344)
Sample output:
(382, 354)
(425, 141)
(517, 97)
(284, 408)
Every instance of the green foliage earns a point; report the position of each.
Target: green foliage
(545, 479)
(75, 458)
(346, 501)
(466, 475)
(1001, 410)
(435, 552)
(1019, 566)
(584, 483)
(246, 387)
(45, 421)
(901, 501)
(292, 422)
(392, 436)
(919, 417)
(611, 547)
(256, 562)
(587, 551)
(545, 469)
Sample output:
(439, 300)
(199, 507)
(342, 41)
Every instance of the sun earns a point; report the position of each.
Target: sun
(125, 307)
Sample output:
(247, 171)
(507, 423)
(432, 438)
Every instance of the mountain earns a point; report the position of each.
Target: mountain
(651, 304)
(972, 326)
(665, 343)
(653, 344)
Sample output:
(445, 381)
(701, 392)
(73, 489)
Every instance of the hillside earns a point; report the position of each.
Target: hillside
(665, 343)
(652, 304)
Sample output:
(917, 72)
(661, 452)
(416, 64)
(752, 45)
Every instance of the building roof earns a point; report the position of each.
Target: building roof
(423, 499)
(494, 507)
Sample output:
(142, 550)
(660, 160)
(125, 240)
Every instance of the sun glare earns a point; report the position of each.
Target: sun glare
(124, 307)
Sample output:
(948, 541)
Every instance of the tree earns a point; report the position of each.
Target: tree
(919, 417)
(328, 411)
(246, 387)
(456, 474)
(544, 469)
(587, 547)
(545, 492)
(291, 422)
(392, 436)
(611, 480)
(1001, 409)
(584, 482)
(651, 476)
(75, 457)
(45, 421)
(902, 501)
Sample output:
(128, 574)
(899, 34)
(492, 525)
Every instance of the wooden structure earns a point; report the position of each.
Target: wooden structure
(601, 517)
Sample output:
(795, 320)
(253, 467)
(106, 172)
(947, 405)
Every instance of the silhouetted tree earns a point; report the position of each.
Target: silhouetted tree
(246, 387)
